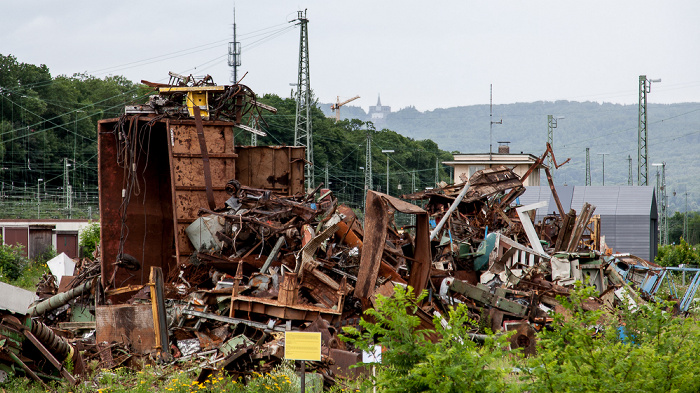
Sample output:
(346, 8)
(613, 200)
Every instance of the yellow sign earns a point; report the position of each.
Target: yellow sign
(302, 346)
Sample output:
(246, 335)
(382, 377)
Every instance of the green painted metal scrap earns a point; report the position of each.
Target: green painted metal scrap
(486, 297)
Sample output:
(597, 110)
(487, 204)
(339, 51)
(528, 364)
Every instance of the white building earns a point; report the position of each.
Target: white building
(467, 164)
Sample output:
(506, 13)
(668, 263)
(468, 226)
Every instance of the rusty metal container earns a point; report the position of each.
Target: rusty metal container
(152, 183)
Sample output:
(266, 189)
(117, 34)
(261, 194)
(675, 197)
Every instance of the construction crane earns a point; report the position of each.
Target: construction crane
(336, 107)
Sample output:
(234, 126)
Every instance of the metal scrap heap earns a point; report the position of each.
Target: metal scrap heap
(212, 250)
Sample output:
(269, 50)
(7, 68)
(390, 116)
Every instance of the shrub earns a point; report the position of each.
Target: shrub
(12, 262)
(89, 238)
(412, 363)
(675, 255)
(644, 351)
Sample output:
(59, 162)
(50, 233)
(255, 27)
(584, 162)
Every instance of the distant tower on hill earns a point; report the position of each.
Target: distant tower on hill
(377, 114)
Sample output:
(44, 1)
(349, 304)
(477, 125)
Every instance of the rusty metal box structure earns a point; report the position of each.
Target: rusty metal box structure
(153, 180)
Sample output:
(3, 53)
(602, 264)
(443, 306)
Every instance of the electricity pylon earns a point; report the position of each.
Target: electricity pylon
(302, 129)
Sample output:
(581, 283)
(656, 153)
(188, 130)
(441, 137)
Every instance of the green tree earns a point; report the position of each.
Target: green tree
(675, 255)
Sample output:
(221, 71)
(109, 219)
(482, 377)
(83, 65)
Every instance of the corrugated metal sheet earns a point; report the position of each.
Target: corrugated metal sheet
(608, 227)
(536, 194)
(636, 201)
(632, 235)
(605, 199)
(628, 213)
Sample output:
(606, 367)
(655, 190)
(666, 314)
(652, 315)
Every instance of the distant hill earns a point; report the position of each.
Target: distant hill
(674, 137)
(346, 112)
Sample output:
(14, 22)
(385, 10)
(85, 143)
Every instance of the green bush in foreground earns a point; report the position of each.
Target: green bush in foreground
(412, 363)
(647, 350)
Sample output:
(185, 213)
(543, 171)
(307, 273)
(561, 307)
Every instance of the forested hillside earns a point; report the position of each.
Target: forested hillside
(48, 136)
(48, 143)
(674, 138)
(341, 147)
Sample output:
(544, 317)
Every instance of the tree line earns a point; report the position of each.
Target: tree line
(48, 139)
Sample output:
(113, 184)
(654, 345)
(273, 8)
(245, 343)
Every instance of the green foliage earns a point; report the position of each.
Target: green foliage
(411, 362)
(167, 378)
(342, 146)
(12, 262)
(45, 120)
(675, 255)
(89, 238)
(45, 256)
(17, 270)
(656, 351)
(675, 227)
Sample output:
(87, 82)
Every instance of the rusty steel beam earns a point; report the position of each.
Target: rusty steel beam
(376, 221)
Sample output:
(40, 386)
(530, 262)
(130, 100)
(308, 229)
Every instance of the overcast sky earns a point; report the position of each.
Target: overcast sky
(426, 54)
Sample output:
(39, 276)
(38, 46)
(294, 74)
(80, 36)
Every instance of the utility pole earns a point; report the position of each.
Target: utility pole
(413, 189)
(413, 184)
(437, 172)
(603, 154)
(67, 188)
(551, 125)
(302, 128)
(661, 187)
(387, 169)
(234, 53)
(254, 123)
(491, 123)
(665, 201)
(642, 131)
(368, 164)
(685, 218)
(630, 180)
(327, 182)
(588, 166)
(38, 197)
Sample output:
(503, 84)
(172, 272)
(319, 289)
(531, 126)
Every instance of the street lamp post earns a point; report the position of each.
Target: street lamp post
(387, 169)
(38, 197)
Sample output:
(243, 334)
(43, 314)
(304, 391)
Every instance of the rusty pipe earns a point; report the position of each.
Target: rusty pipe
(57, 301)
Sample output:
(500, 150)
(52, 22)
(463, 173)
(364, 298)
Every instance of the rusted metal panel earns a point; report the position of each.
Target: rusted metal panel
(420, 270)
(133, 323)
(376, 221)
(344, 362)
(135, 193)
(277, 168)
(188, 173)
(273, 308)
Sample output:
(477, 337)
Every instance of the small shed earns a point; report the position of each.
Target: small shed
(628, 214)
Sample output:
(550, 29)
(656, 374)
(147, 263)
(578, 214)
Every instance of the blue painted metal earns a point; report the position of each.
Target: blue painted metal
(650, 279)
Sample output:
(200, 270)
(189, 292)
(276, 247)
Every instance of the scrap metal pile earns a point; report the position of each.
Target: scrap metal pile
(253, 263)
